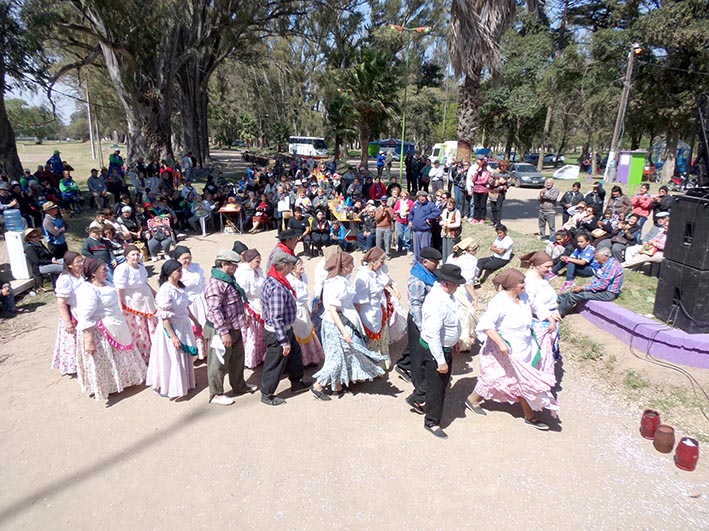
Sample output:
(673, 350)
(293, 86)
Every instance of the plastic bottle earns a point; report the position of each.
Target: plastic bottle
(13, 220)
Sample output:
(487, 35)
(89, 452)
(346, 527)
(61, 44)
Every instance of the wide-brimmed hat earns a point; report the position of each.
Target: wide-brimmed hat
(49, 205)
(227, 255)
(29, 232)
(467, 244)
(450, 273)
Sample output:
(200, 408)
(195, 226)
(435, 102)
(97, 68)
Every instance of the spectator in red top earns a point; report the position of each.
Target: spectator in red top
(642, 203)
(377, 189)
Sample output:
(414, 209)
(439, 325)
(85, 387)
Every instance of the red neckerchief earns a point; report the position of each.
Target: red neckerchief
(273, 272)
(283, 247)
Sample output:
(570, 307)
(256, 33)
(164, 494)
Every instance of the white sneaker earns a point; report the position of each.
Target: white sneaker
(221, 400)
(153, 258)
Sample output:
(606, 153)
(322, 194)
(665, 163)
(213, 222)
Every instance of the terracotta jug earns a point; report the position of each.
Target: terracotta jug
(687, 454)
(649, 423)
(664, 439)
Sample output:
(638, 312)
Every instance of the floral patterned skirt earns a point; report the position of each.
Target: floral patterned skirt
(345, 363)
(254, 344)
(64, 357)
(141, 329)
(109, 370)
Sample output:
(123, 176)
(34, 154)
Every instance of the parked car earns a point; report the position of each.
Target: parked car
(549, 158)
(522, 174)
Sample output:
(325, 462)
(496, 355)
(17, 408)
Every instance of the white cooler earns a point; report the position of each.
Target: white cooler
(15, 249)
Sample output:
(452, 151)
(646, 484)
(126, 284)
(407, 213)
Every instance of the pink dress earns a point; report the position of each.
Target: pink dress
(64, 357)
(139, 307)
(506, 378)
(251, 281)
(116, 364)
(303, 328)
(171, 371)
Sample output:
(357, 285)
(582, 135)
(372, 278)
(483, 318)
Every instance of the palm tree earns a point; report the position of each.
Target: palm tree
(474, 44)
(373, 87)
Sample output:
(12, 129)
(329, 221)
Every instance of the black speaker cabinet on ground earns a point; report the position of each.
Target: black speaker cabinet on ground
(682, 298)
(688, 235)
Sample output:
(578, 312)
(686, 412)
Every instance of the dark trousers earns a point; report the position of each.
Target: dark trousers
(491, 263)
(479, 206)
(411, 360)
(496, 207)
(233, 364)
(411, 183)
(436, 386)
(58, 249)
(275, 363)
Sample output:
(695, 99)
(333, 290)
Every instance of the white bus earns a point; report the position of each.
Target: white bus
(307, 146)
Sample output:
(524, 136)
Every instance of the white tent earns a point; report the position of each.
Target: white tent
(569, 172)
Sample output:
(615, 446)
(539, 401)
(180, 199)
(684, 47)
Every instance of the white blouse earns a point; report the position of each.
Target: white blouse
(541, 295)
(128, 277)
(172, 302)
(66, 287)
(369, 294)
(468, 264)
(193, 279)
(251, 281)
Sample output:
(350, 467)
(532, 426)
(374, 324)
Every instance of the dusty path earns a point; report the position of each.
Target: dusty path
(360, 462)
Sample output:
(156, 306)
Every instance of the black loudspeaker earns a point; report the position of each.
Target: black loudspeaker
(688, 235)
(682, 298)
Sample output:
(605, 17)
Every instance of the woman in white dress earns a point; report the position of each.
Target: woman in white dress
(64, 357)
(319, 278)
(464, 257)
(543, 296)
(371, 286)
(303, 328)
(107, 361)
(193, 279)
(510, 355)
(137, 299)
(249, 276)
(171, 370)
(347, 359)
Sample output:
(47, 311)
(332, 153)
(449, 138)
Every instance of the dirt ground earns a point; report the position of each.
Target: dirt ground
(360, 462)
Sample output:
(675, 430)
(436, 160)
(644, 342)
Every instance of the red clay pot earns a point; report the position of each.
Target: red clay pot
(649, 423)
(664, 439)
(687, 454)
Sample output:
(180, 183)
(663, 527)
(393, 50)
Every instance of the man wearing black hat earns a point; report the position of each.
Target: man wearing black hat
(422, 277)
(440, 331)
(287, 240)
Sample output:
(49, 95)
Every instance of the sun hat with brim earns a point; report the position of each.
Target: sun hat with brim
(227, 255)
(30, 232)
(49, 205)
(450, 273)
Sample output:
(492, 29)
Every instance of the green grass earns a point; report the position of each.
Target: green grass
(635, 381)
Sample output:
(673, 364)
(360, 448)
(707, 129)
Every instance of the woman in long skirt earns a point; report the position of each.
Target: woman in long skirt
(193, 279)
(371, 286)
(107, 361)
(64, 357)
(510, 354)
(171, 370)
(463, 256)
(347, 359)
(319, 278)
(137, 299)
(542, 296)
(250, 277)
(303, 328)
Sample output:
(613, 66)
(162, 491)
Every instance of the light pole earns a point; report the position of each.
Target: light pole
(609, 175)
(425, 30)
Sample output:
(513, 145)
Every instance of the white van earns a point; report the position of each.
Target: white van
(446, 152)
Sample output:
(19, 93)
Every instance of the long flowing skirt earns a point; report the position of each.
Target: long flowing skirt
(64, 357)
(171, 371)
(198, 307)
(381, 346)
(345, 363)
(304, 331)
(141, 330)
(254, 344)
(504, 378)
(466, 314)
(397, 321)
(109, 370)
(548, 346)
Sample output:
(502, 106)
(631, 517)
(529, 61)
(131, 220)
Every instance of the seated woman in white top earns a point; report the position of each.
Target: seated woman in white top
(502, 254)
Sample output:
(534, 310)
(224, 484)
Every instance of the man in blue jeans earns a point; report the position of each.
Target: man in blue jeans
(605, 286)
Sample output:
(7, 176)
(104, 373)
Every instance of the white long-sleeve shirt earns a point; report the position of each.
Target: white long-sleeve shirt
(440, 325)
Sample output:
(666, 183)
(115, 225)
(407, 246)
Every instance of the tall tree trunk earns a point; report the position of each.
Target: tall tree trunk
(9, 159)
(469, 100)
(365, 130)
(545, 137)
(670, 156)
(192, 81)
(336, 152)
